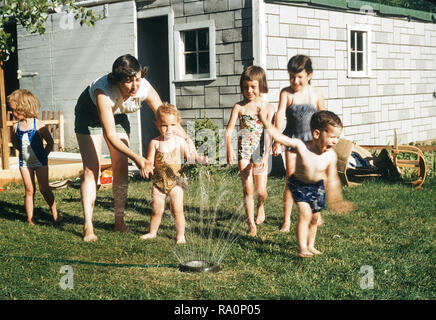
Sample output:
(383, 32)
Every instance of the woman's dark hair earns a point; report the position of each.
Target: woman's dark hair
(299, 63)
(124, 68)
(254, 73)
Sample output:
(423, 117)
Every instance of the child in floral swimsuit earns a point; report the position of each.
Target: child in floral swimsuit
(251, 139)
(253, 153)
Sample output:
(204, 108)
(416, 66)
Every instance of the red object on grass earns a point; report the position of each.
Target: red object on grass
(105, 180)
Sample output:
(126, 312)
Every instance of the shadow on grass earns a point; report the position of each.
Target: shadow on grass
(43, 217)
(205, 223)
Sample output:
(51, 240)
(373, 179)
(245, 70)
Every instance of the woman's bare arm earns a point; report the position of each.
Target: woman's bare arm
(108, 123)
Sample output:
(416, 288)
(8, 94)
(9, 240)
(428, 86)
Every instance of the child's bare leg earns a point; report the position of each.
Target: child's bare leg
(288, 200)
(245, 169)
(320, 221)
(90, 149)
(313, 227)
(176, 205)
(158, 208)
(304, 220)
(119, 182)
(260, 181)
(29, 185)
(42, 175)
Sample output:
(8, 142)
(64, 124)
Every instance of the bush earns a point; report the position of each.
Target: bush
(207, 142)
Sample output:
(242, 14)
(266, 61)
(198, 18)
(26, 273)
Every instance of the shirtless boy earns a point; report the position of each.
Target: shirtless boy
(315, 167)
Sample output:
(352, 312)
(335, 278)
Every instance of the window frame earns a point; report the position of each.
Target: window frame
(366, 44)
(179, 50)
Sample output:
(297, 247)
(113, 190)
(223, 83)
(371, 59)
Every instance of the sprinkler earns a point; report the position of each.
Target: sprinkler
(208, 240)
(199, 266)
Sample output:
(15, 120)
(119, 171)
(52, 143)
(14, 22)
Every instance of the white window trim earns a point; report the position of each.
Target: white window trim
(366, 73)
(179, 48)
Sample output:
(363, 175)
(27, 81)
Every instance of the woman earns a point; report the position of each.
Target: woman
(101, 111)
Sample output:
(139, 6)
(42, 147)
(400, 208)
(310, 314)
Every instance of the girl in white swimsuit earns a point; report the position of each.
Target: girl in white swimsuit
(29, 133)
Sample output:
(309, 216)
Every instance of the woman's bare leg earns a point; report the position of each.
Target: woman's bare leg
(120, 181)
(90, 149)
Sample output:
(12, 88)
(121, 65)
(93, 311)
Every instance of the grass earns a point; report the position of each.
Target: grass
(392, 231)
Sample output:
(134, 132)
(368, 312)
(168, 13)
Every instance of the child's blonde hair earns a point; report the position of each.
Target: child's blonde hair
(26, 103)
(167, 109)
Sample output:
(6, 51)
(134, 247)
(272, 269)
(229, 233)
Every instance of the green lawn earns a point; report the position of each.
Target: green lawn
(392, 232)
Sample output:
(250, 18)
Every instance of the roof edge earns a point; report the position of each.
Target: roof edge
(380, 9)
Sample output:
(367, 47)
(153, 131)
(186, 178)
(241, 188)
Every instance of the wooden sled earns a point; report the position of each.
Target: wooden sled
(418, 163)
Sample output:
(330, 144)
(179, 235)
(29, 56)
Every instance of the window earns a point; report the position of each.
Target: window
(196, 54)
(359, 51)
(195, 51)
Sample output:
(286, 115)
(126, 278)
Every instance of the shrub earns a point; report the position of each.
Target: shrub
(207, 142)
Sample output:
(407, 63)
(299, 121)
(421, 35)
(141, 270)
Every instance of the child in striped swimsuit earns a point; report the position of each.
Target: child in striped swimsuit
(29, 133)
(253, 155)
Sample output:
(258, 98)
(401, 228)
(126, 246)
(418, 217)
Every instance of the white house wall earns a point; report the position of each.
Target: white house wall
(214, 99)
(69, 57)
(398, 95)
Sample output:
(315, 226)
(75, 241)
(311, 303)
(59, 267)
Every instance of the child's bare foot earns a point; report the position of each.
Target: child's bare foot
(314, 251)
(88, 235)
(285, 228)
(181, 240)
(260, 216)
(31, 222)
(58, 219)
(252, 231)
(148, 236)
(305, 254)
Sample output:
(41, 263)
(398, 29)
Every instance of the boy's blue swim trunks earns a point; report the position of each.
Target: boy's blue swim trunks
(313, 194)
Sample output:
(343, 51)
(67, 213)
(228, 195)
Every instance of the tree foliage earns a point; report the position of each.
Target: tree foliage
(32, 15)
